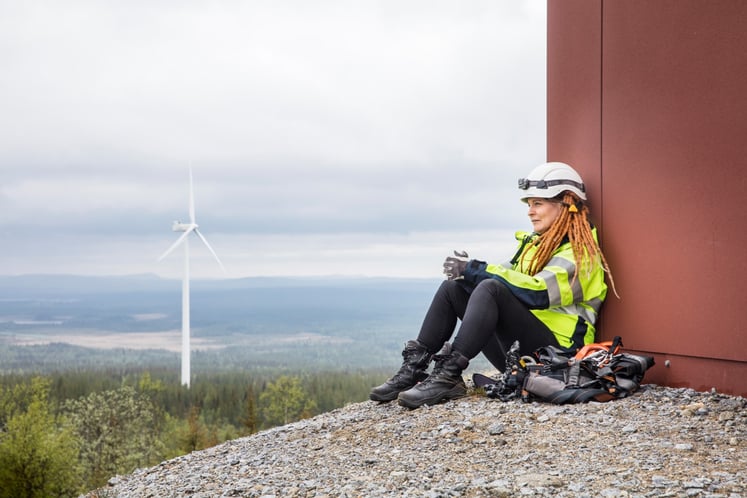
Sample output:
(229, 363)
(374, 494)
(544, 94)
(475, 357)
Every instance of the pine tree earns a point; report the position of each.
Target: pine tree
(196, 436)
(249, 418)
(285, 401)
(38, 454)
(119, 431)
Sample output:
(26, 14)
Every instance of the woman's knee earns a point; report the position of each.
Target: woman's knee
(452, 284)
(452, 288)
(492, 286)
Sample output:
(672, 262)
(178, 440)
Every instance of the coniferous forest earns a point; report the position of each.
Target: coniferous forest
(269, 353)
(67, 432)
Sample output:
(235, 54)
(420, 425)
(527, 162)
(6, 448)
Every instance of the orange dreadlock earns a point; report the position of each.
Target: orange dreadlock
(573, 223)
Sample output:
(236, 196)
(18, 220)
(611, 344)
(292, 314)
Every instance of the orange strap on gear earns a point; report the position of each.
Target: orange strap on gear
(597, 346)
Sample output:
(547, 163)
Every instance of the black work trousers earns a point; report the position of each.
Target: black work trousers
(492, 319)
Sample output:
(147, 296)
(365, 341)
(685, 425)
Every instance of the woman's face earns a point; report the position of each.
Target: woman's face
(542, 213)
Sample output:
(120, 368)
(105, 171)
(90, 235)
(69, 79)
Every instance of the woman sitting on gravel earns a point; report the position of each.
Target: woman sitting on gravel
(548, 294)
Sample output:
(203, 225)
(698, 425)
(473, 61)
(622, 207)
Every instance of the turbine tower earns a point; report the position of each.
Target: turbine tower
(187, 229)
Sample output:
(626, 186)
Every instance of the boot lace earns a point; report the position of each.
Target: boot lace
(407, 366)
(437, 371)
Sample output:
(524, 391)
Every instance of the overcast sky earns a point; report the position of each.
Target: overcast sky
(326, 137)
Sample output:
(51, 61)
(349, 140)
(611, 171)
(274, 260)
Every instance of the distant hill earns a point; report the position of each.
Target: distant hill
(332, 321)
(106, 302)
(36, 285)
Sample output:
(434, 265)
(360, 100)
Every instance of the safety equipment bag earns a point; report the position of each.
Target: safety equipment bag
(596, 372)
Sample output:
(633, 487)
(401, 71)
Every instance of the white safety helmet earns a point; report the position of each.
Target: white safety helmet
(551, 179)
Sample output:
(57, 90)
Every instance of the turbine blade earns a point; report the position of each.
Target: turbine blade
(176, 244)
(191, 198)
(204, 240)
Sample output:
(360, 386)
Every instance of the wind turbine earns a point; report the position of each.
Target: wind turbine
(187, 229)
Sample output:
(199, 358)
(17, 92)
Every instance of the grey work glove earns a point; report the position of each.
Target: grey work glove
(454, 266)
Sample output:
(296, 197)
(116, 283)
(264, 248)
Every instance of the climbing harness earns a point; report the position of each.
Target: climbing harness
(595, 372)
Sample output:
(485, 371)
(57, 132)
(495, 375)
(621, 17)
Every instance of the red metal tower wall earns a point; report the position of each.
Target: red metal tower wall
(648, 100)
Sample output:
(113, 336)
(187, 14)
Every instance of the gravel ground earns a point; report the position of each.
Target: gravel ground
(659, 442)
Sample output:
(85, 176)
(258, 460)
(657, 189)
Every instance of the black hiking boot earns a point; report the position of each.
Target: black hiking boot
(416, 361)
(445, 382)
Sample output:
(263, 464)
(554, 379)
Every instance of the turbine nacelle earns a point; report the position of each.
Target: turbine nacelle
(178, 226)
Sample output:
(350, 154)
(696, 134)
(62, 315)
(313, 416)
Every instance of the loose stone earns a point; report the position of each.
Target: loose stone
(658, 442)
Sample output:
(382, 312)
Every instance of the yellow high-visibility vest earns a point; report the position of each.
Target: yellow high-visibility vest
(568, 307)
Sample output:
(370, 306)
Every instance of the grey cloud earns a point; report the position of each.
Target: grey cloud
(297, 117)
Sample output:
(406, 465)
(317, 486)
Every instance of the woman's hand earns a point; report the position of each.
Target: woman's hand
(454, 265)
